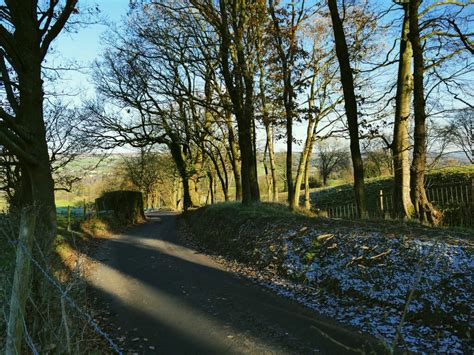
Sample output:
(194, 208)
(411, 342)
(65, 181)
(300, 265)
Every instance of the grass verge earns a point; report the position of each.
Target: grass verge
(67, 328)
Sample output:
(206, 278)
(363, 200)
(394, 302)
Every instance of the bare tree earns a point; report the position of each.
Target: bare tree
(400, 145)
(350, 104)
(378, 162)
(27, 30)
(286, 25)
(461, 131)
(235, 23)
(144, 172)
(323, 98)
(151, 75)
(266, 117)
(423, 208)
(330, 158)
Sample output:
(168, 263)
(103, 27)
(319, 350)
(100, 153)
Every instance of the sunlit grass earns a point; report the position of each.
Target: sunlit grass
(256, 210)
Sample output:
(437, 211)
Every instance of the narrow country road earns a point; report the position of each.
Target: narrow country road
(169, 299)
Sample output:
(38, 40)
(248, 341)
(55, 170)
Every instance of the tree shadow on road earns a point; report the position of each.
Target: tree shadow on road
(183, 302)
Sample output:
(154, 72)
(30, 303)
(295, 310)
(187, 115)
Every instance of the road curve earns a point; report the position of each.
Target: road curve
(166, 298)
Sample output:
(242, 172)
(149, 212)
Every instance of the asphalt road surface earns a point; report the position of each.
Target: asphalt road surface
(166, 298)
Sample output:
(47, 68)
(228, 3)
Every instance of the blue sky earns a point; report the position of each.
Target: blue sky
(83, 46)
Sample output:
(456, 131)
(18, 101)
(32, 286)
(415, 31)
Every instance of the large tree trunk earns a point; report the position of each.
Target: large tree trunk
(250, 191)
(249, 114)
(350, 104)
(41, 184)
(423, 208)
(39, 191)
(38, 187)
(401, 189)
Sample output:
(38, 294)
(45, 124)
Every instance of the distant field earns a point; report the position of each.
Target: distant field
(96, 163)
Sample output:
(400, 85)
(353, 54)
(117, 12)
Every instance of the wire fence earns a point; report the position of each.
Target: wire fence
(66, 298)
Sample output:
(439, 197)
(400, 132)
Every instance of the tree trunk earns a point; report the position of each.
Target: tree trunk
(249, 112)
(307, 198)
(190, 198)
(211, 186)
(268, 178)
(246, 157)
(271, 156)
(271, 159)
(220, 170)
(304, 158)
(239, 83)
(272, 182)
(350, 104)
(233, 152)
(423, 208)
(38, 187)
(401, 189)
(289, 158)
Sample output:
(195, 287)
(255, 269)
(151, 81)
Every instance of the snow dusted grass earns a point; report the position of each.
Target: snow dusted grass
(358, 274)
(364, 279)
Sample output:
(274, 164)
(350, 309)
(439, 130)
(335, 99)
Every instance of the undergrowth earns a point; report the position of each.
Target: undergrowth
(66, 328)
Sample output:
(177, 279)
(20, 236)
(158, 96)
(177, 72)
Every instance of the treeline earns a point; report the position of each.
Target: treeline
(202, 77)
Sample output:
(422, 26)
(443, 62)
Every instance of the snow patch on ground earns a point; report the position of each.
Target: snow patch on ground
(364, 279)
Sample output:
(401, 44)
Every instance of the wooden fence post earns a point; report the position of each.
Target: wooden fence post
(471, 222)
(21, 283)
(381, 203)
(68, 218)
(472, 193)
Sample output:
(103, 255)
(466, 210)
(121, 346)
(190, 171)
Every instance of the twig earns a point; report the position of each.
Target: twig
(410, 297)
(345, 347)
(381, 254)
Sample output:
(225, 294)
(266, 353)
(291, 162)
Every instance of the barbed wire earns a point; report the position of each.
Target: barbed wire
(70, 301)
